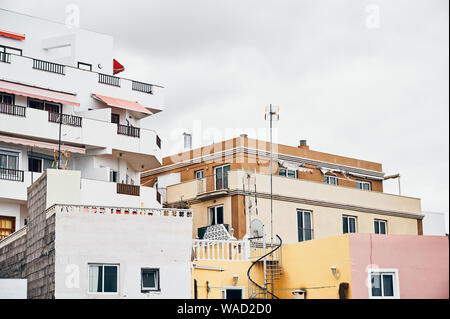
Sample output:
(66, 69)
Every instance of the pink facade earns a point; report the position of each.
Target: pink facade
(422, 263)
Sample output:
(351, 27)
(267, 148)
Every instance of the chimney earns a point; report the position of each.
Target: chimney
(187, 141)
(304, 145)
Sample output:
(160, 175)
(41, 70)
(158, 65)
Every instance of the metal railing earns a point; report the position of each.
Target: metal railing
(128, 130)
(142, 87)
(5, 57)
(108, 79)
(235, 250)
(65, 119)
(11, 109)
(11, 174)
(48, 66)
(128, 189)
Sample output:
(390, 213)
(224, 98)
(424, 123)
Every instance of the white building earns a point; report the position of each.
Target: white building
(50, 72)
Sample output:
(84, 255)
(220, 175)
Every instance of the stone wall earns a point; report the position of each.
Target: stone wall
(32, 256)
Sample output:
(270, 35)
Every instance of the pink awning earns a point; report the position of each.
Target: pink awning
(40, 144)
(123, 104)
(38, 93)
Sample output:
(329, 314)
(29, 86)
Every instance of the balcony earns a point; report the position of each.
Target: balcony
(128, 189)
(65, 78)
(66, 119)
(48, 66)
(128, 130)
(88, 132)
(14, 110)
(11, 174)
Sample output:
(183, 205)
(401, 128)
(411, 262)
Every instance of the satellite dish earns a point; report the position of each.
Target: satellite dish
(257, 228)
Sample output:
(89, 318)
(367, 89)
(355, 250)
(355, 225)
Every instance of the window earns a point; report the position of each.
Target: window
(380, 226)
(9, 160)
(7, 226)
(363, 185)
(113, 176)
(199, 174)
(332, 180)
(349, 224)
(216, 215)
(304, 225)
(221, 174)
(44, 105)
(34, 165)
(115, 118)
(287, 172)
(384, 283)
(103, 278)
(85, 66)
(10, 50)
(150, 280)
(6, 98)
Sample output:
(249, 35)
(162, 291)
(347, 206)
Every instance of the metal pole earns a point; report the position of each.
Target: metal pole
(265, 263)
(271, 204)
(399, 188)
(59, 139)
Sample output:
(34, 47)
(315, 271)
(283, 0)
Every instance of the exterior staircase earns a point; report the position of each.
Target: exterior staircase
(268, 263)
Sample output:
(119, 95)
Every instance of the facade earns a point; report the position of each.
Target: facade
(350, 266)
(72, 250)
(434, 224)
(315, 195)
(61, 104)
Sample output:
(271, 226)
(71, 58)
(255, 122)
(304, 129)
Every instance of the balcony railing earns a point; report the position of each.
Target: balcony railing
(141, 87)
(108, 79)
(10, 109)
(128, 189)
(230, 250)
(128, 130)
(5, 57)
(48, 66)
(11, 174)
(66, 119)
(211, 183)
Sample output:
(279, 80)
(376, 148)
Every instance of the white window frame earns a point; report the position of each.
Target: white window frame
(362, 183)
(380, 221)
(103, 279)
(157, 280)
(303, 211)
(200, 171)
(330, 177)
(215, 175)
(348, 224)
(224, 290)
(215, 214)
(395, 282)
(12, 152)
(287, 172)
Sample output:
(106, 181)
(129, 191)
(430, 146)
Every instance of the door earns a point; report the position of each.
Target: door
(233, 293)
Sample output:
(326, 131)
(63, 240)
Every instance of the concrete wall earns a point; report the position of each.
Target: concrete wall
(133, 242)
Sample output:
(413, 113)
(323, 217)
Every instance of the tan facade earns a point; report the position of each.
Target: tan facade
(247, 190)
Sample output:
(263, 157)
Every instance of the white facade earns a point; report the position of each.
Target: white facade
(93, 142)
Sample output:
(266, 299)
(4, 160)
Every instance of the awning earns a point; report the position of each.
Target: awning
(38, 93)
(13, 35)
(39, 144)
(117, 67)
(123, 104)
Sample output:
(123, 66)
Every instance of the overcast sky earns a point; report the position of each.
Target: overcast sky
(348, 85)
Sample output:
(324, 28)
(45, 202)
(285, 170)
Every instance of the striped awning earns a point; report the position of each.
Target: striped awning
(40, 144)
(38, 93)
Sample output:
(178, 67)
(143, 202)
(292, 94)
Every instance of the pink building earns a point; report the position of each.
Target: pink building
(404, 266)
